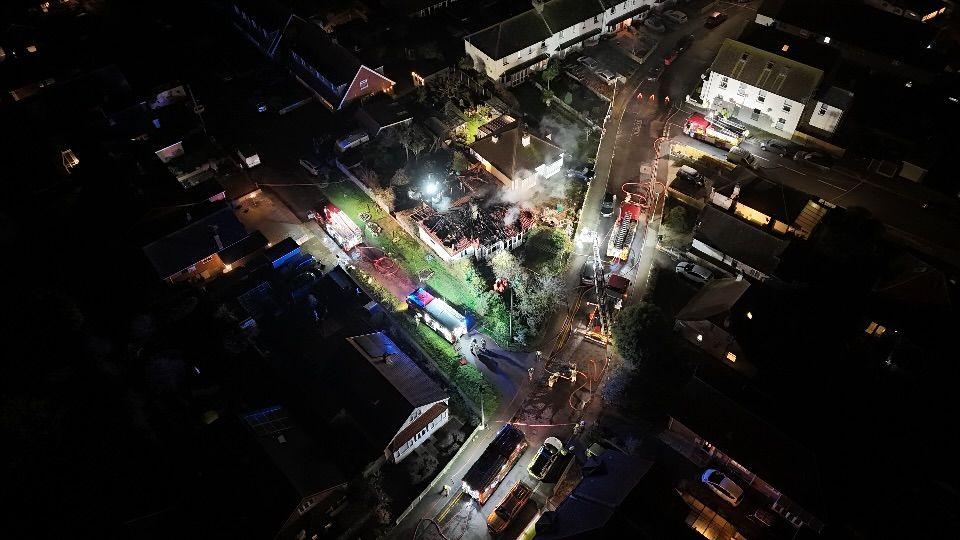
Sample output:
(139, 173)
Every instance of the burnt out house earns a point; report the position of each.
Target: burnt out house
(472, 229)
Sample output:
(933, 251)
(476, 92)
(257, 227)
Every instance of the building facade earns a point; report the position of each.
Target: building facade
(509, 51)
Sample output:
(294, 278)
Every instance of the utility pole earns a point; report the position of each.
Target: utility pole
(511, 313)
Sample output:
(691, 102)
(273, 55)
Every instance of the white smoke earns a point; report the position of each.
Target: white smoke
(511, 216)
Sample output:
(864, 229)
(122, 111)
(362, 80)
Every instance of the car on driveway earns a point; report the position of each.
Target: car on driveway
(780, 148)
(655, 24)
(608, 204)
(694, 272)
(654, 72)
(675, 17)
(608, 76)
(589, 62)
(545, 457)
(715, 19)
(816, 159)
(723, 486)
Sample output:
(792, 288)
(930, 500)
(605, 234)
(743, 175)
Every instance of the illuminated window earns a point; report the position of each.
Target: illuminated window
(731, 357)
(785, 48)
(875, 329)
(826, 40)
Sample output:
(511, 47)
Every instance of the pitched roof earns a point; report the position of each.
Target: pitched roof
(417, 426)
(715, 298)
(311, 43)
(766, 71)
(514, 34)
(194, 240)
(398, 369)
(595, 500)
(562, 14)
(739, 240)
(293, 451)
(750, 440)
(509, 155)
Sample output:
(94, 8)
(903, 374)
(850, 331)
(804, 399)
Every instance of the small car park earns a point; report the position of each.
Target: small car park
(694, 272)
(546, 456)
(675, 17)
(589, 62)
(715, 19)
(815, 159)
(608, 204)
(654, 24)
(508, 508)
(723, 486)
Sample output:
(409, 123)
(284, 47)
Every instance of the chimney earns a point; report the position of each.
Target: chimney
(387, 359)
(525, 140)
(474, 211)
(736, 191)
(494, 138)
(538, 5)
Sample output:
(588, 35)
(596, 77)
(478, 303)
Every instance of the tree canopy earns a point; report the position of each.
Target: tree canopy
(642, 335)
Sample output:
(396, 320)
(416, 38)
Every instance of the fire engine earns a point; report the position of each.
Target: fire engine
(712, 132)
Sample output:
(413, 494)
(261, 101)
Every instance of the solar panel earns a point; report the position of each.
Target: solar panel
(268, 421)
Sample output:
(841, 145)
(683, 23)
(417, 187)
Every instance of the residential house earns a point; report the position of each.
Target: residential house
(518, 158)
(395, 404)
(714, 431)
(310, 482)
(767, 204)
(618, 496)
(335, 75)
(189, 241)
(881, 40)
(759, 87)
(262, 21)
(379, 114)
(510, 50)
(704, 321)
(472, 229)
(736, 245)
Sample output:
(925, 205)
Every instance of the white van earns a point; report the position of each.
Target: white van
(674, 16)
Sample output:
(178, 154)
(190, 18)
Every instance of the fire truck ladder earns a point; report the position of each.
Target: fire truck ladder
(622, 232)
(600, 283)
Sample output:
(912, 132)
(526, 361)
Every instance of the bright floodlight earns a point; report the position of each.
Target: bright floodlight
(430, 188)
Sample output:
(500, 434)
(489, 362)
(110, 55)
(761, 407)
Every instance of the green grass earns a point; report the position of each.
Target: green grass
(457, 283)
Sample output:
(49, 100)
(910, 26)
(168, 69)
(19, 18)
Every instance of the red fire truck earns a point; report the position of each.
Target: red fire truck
(699, 127)
(337, 224)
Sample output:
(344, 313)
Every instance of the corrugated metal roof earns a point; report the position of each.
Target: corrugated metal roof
(398, 368)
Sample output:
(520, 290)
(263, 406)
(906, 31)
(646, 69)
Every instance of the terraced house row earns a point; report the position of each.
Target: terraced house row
(509, 51)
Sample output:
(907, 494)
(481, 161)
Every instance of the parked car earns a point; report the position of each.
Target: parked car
(694, 272)
(608, 204)
(608, 76)
(311, 166)
(669, 58)
(588, 271)
(816, 159)
(690, 174)
(654, 72)
(723, 486)
(508, 508)
(676, 17)
(684, 43)
(584, 172)
(589, 62)
(655, 24)
(740, 156)
(545, 457)
(715, 19)
(780, 148)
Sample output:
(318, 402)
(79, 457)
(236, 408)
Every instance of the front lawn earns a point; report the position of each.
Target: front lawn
(457, 283)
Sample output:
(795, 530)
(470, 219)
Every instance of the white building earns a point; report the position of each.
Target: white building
(519, 159)
(759, 87)
(395, 403)
(509, 51)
